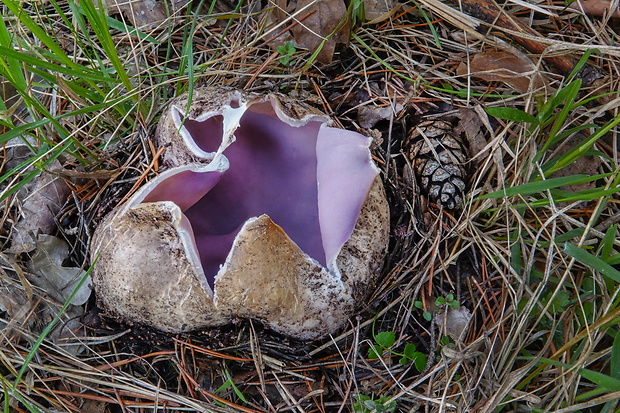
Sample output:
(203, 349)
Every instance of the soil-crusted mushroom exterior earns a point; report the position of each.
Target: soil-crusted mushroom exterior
(263, 210)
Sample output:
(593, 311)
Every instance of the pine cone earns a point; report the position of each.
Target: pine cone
(439, 157)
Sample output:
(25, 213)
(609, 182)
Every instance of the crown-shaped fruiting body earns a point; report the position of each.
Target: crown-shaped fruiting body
(264, 211)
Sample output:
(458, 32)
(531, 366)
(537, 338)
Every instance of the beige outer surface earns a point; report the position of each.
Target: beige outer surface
(267, 277)
(361, 257)
(144, 274)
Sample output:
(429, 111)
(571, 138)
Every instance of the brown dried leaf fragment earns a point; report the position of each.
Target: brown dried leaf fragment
(471, 127)
(376, 11)
(598, 8)
(50, 275)
(517, 71)
(368, 116)
(39, 208)
(490, 12)
(328, 20)
(144, 13)
(455, 322)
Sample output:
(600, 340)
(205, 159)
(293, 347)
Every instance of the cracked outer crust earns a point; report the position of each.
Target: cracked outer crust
(144, 276)
(148, 279)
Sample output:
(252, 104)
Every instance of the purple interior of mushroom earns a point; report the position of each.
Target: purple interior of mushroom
(310, 180)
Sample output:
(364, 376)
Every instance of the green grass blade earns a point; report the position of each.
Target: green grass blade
(516, 253)
(10, 67)
(464, 93)
(43, 36)
(563, 196)
(51, 67)
(540, 186)
(511, 114)
(40, 160)
(545, 114)
(565, 134)
(589, 195)
(593, 262)
(607, 243)
(582, 62)
(339, 26)
(21, 130)
(65, 19)
(614, 365)
(187, 64)
(33, 103)
(580, 150)
(230, 21)
(7, 398)
(44, 152)
(431, 26)
(130, 30)
(577, 232)
(85, 91)
(571, 92)
(601, 379)
(566, 95)
(187, 52)
(594, 98)
(98, 22)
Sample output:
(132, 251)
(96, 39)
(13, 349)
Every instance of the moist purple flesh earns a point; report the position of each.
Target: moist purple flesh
(272, 171)
(310, 180)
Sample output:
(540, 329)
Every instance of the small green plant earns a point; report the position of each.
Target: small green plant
(287, 51)
(358, 14)
(447, 300)
(229, 383)
(446, 341)
(440, 302)
(428, 316)
(367, 404)
(386, 339)
(559, 301)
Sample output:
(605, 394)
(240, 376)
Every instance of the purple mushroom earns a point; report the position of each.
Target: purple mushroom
(265, 211)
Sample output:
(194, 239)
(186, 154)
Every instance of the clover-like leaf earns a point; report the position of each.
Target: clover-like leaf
(385, 339)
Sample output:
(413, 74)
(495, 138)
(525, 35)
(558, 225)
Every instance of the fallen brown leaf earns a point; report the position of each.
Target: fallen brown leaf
(49, 274)
(39, 208)
(455, 322)
(517, 71)
(598, 8)
(375, 11)
(144, 13)
(328, 20)
(471, 126)
(368, 116)
(490, 12)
